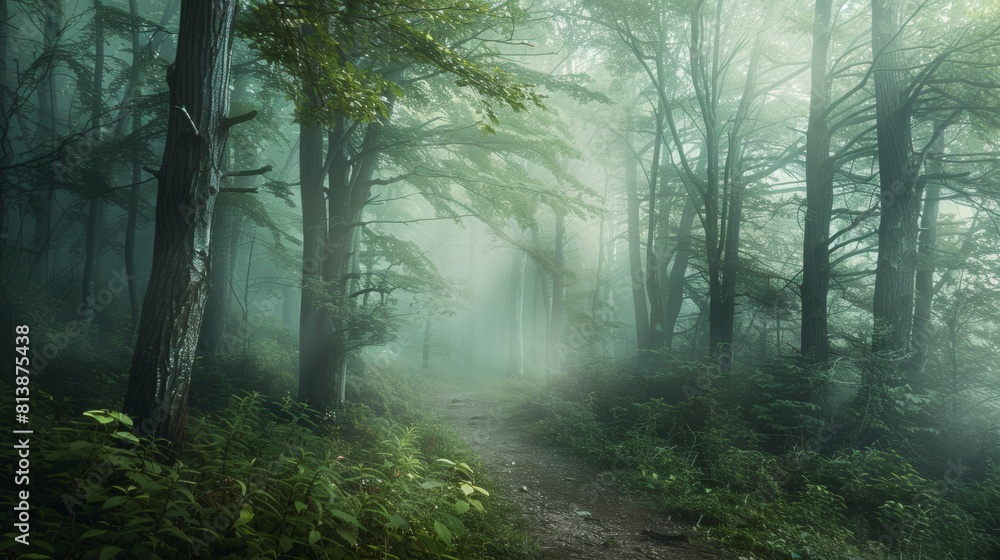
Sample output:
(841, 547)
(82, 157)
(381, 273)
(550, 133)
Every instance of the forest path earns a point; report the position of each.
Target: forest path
(574, 509)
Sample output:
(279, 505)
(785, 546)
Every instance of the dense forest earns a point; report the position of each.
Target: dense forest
(500, 279)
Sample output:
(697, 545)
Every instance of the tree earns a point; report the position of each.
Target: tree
(815, 343)
(188, 184)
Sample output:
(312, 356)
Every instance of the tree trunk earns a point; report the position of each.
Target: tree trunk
(543, 279)
(470, 345)
(653, 254)
(133, 196)
(188, 184)
(515, 361)
(315, 385)
(815, 343)
(211, 339)
(642, 334)
(290, 306)
(678, 273)
(426, 354)
(554, 338)
(95, 212)
(47, 131)
(731, 262)
(900, 193)
(892, 307)
(926, 258)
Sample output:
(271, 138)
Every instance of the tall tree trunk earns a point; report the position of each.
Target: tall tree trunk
(315, 385)
(290, 307)
(211, 339)
(642, 334)
(815, 343)
(48, 130)
(133, 196)
(6, 100)
(900, 192)
(95, 213)
(470, 316)
(678, 273)
(425, 361)
(542, 275)
(654, 254)
(704, 87)
(731, 263)
(515, 360)
(188, 184)
(927, 257)
(892, 307)
(133, 92)
(554, 338)
(595, 305)
(736, 184)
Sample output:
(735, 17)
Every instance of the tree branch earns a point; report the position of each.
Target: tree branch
(229, 122)
(249, 172)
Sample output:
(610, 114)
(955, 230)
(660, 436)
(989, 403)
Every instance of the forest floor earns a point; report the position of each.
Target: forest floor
(575, 510)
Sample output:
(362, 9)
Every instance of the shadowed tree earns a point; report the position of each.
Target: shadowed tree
(188, 184)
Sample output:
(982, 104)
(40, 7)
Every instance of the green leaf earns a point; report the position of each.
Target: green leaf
(127, 436)
(314, 536)
(101, 416)
(467, 489)
(348, 535)
(92, 533)
(110, 552)
(442, 532)
(397, 521)
(246, 515)
(114, 501)
(343, 515)
(286, 543)
(429, 484)
(300, 507)
(461, 507)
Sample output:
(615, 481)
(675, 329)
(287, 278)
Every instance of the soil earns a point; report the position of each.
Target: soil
(575, 509)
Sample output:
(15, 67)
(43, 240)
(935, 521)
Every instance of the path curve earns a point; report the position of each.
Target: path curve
(575, 510)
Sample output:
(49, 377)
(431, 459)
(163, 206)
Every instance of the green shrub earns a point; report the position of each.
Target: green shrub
(249, 484)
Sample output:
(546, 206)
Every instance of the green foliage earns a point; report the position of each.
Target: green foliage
(699, 460)
(342, 58)
(253, 482)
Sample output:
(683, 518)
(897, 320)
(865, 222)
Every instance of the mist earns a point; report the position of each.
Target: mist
(560, 279)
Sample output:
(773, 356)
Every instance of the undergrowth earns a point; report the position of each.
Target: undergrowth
(703, 457)
(258, 479)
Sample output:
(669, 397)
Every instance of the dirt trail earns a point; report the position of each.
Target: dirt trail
(575, 509)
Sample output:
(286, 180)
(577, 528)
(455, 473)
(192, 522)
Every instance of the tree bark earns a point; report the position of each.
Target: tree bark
(554, 338)
(926, 259)
(654, 254)
(47, 131)
(892, 306)
(188, 184)
(635, 257)
(678, 273)
(426, 350)
(315, 386)
(815, 343)
(515, 361)
(899, 191)
(211, 339)
(133, 195)
(95, 212)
